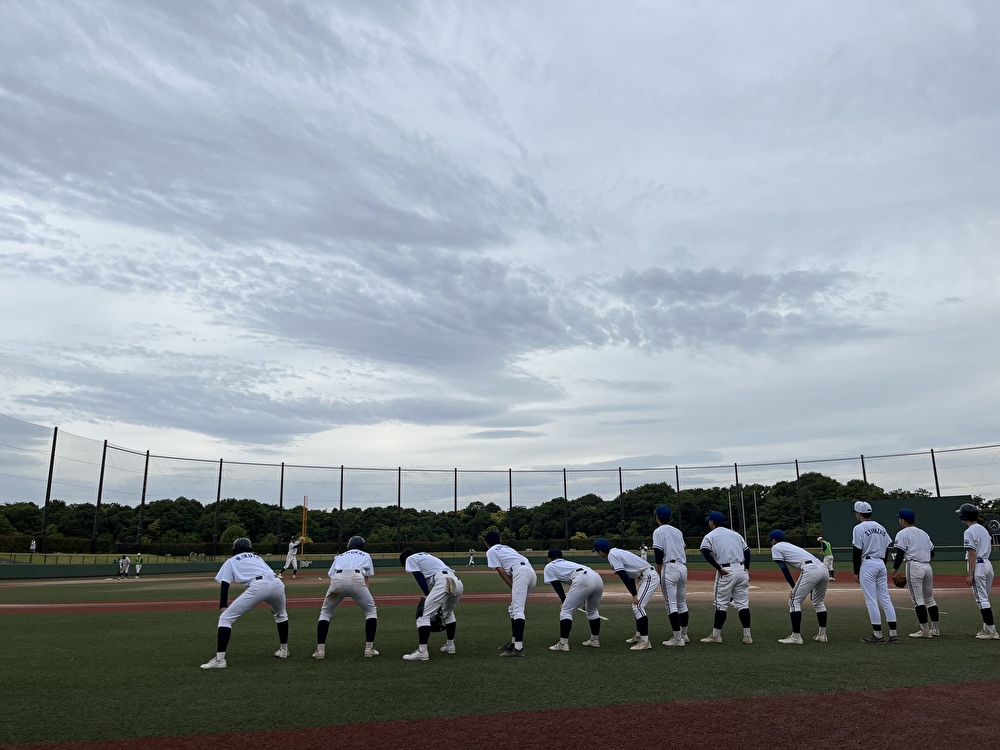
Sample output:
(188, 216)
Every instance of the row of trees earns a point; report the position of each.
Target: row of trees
(183, 524)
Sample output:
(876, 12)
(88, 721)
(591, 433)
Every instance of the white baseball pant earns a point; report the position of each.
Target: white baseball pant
(523, 582)
(813, 582)
(447, 590)
(735, 586)
(586, 590)
(268, 589)
(875, 586)
(673, 581)
(348, 583)
(920, 582)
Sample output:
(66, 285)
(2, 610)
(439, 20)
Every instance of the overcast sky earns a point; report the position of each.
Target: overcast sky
(502, 234)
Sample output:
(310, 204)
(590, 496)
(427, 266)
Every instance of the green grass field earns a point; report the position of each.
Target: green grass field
(103, 676)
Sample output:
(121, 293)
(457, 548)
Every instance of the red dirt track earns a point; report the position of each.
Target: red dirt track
(933, 716)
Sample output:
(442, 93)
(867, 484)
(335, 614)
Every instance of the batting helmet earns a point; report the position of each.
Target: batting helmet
(356, 542)
(242, 545)
(968, 512)
(602, 545)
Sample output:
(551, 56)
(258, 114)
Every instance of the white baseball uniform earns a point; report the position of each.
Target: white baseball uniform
(585, 587)
(813, 576)
(640, 571)
(727, 547)
(292, 559)
(445, 587)
(261, 586)
(873, 540)
(917, 546)
(977, 539)
(523, 577)
(349, 576)
(673, 573)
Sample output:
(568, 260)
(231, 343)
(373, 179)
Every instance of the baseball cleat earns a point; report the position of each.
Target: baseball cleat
(512, 651)
(674, 642)
(820, 637)
(559, 647)
(747, 639)
(935, 632)
(712, 639)
(985, 636)
(448, 648)
(795, 639)
(281, 653)
(686, 639)
(215, 664)
(417, 656)
(370, 652)
(873, 639)
(893, 639)
(633, 639)
(643, 645)
(921, 634)
(593, 642)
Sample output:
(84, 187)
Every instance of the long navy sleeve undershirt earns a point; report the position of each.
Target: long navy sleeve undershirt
(557, 585)
(224, 595)
(785, 572)
(422, 582)
(629, 583)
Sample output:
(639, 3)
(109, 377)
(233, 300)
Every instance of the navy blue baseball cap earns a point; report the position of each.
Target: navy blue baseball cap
(555, 553)
(777, 535)
(716, 516)
(602, 545)
(492, 537)
(907, 515)
(663, 513)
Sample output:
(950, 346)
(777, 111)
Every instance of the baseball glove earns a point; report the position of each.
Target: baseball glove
(437, 622)
(899, 579)
(420, 607)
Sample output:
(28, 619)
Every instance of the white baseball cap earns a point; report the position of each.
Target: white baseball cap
(862, 507)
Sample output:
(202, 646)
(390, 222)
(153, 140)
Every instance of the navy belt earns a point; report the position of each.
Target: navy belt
(348, 570)
(807, 562)
(578, 570)
(980, 560)
(673, 561)
(724, 565)
(259, 578)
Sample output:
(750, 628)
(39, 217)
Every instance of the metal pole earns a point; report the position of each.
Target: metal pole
(756, 518)
(454, 535)
(281, 506)
(142, 504)
(48, 492)
(677, 482)
(218, 501)
(802, 507)
(864, 474)
(340, 525)
(399, 506)
(621, 501)
(937, 485)
(565, 509)
(510, 501)
(743, 509)
(97, 509)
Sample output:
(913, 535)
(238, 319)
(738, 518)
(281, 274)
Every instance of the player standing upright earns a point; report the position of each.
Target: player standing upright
(138, 564)
(978, 545)
(671, 566)
(349, 576)
(292, 557)
(261, 586)
(585, 589)
(915, 547)
(515, 570)
(442, 589)
(728, 553)
(870, 545)
(641, 581)
(813, 581)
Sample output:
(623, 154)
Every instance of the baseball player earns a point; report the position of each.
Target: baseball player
(138, 564)
(472, 558)
(671, 566)
(261, 586)
(442, 589)
(826, 549)
(641, 581)
(813, 581)
(292, 558)
(516, 572)
(915, 548)
(585, 589)
(978, 546)
(644, 551)
(870, 547)
(349, 576)
(727, 552)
